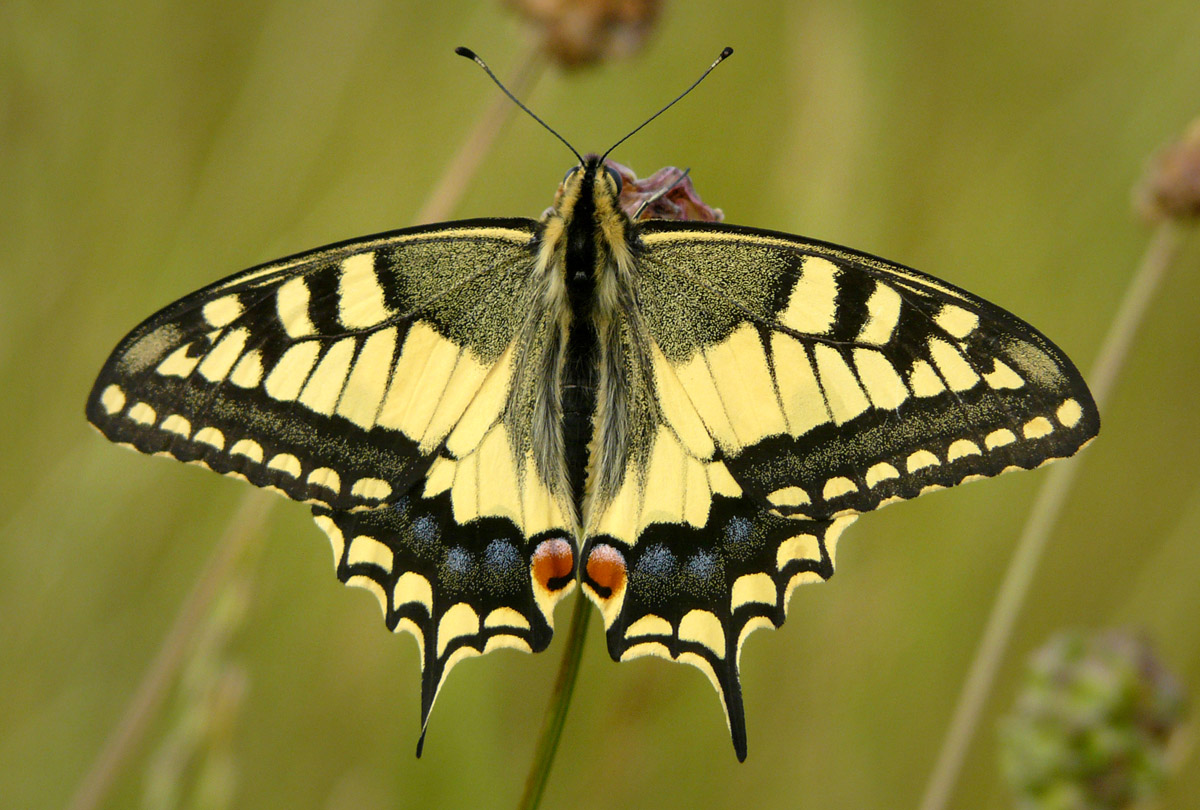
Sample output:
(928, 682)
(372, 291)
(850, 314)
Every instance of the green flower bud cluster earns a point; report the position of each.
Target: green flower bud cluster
(1090, 724)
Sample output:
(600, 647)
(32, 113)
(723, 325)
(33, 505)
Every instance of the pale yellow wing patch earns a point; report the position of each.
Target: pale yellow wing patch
(675, 488)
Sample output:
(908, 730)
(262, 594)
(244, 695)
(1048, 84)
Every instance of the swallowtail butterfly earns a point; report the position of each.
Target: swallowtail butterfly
(680, 417)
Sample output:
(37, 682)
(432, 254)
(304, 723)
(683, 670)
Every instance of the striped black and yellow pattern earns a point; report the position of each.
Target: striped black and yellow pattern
(680, 416)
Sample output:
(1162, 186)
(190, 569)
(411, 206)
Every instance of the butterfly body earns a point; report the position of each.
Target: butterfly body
(578, 255)
(682, 417)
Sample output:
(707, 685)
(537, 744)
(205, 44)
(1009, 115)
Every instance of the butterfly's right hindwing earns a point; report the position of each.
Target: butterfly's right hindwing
(461, 589)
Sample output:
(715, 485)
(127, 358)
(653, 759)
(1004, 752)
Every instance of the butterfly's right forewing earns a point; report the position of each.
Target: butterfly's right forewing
(790, 386)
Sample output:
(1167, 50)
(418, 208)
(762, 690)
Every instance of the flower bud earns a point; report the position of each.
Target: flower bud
(580, 32)
(1170, 187)
(1090, 725)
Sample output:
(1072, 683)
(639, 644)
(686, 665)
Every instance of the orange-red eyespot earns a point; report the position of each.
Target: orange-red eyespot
(553, 564)
(606, 570)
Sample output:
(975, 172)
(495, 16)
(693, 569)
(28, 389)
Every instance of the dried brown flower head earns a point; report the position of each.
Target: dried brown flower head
(580, 32)
(1170, 188)
(666, 194)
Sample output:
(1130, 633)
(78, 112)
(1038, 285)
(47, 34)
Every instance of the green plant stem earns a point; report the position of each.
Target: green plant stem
(560, 701)
(1047, 506)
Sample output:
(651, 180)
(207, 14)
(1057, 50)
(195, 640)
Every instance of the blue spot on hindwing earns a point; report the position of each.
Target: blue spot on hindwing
(459, 570)
(739, 540)
(653, 576)
(425, 529)
(703, 576)
(504, 570)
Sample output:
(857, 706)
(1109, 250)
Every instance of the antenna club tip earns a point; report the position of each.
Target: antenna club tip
(725, 54)
(470, 54)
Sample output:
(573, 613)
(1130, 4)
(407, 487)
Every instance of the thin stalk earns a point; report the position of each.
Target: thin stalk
(1047, 506)
(560, 701)
(457, 176)
(246, 525)
(251, 515)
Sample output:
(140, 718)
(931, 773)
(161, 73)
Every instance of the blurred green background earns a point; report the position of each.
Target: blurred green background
(149, 148)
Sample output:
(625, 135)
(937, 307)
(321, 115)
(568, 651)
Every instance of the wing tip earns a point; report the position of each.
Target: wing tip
(736, 715)
(429, 690)
(739, 745)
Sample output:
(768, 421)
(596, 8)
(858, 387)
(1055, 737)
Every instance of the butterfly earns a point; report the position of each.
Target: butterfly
(681, 417)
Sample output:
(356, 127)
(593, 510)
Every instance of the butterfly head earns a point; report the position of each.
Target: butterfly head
(591, 178)
(587, 231)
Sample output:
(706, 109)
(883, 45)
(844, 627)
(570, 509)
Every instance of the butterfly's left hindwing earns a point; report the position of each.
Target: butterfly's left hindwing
(796, 385)
(461, 589)
(373, 380)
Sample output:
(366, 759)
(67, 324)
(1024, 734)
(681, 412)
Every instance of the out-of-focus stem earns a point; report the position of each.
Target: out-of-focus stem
(560, 701)
(1048, 505)
(465, 163)
(247, 524)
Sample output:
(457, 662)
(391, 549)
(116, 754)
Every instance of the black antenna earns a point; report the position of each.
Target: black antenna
(725, 54)
(470, 54)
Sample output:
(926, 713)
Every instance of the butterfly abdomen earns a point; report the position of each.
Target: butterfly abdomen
(579, 404)
(579, 377)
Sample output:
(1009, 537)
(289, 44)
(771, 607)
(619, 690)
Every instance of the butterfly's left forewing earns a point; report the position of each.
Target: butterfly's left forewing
(372, 379)
(330, 376)
(796, 385)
